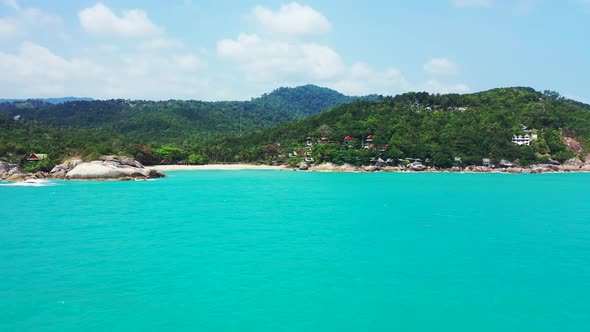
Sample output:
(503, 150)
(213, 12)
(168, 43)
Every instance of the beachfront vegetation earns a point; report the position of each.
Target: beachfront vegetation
(447, 130)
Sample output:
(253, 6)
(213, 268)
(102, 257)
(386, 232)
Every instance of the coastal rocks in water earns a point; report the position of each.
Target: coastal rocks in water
(370, 168)
(417, 167)
(514, 170)
(16, 177)
(544, 168)
(15, 173)
(112, 168)
(5, 169)
(505, 163)
(325, 167)
(121, 160)
(60, 171)
(478, 169)
(303, 166)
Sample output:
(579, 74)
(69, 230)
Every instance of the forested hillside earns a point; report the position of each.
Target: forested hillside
(438, 128)
(444, 130)
(176, 121)
(174, 128)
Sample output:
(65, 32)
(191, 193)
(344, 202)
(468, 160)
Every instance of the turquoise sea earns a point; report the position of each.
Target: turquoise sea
(296, 251)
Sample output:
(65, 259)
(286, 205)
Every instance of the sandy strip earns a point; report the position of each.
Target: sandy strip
(215, 167)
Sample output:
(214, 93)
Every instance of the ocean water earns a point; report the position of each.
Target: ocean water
(296, 251)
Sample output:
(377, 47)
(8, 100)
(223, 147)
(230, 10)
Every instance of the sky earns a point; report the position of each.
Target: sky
(238, 50)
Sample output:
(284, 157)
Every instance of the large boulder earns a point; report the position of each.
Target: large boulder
(112, 168)
(303, 166)
(122, 160)
(417, 167)
(4, 169)
(60, 171)
(514, 170)
(16, 177)
(478, 169)
(573, 162)
(505, 163)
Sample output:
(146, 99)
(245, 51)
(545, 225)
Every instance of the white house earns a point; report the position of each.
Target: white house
(521, 139)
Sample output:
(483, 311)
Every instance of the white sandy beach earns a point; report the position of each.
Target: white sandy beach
(215, 167)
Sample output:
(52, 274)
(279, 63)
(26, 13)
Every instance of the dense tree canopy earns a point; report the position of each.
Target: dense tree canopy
(443, 129)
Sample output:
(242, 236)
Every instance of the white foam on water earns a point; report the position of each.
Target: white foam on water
(30, 183)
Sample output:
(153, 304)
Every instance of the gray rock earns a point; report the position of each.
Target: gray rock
(505, 163)
(110, 168)
(122, 160)
(5, 167)
(514, 170)
(303, 166)
(62, 169)
(16, 177)
(417, 166)
(573, 162)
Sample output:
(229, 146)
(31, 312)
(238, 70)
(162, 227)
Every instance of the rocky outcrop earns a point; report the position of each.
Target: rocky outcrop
(514, 170)
(60, 171)
(5, 169)
(416, 167)
(14, 173)
(544, 168)
(505, 163)
(303, 166)
(112, 168)
(370, 168)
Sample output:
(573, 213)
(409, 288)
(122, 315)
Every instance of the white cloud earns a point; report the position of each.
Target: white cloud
(361, 79)
(440, 66)
(11, 3)
(35, 16)
(435, 86)
(161, 43)
(101, 20)
(270, 63)
(473, 3)
(36, 71)
(292, 19)
(264, 60)
(190, 62)
(33, 22)
(8, 28)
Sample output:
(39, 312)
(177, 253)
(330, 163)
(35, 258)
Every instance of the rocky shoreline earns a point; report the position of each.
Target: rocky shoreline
(118, 168)
(570, 166)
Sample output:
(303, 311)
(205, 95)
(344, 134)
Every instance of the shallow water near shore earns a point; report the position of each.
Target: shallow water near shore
(295, 251)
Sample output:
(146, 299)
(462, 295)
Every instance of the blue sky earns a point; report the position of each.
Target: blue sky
(236, 50)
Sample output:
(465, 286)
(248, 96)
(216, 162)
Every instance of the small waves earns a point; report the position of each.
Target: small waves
(30, 183)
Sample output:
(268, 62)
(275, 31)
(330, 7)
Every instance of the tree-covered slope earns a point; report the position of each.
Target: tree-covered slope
(444, 129)
(440, 127)
(175, 121)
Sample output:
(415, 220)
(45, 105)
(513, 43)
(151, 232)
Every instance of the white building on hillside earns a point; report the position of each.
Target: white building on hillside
(523, 139)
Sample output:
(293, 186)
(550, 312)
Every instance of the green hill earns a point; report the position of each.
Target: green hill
(444, 130)
(175, 121)
(438, 128)
(77, 127)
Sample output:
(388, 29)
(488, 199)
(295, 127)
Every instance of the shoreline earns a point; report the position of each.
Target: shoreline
(215, 167)
(330, 168)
